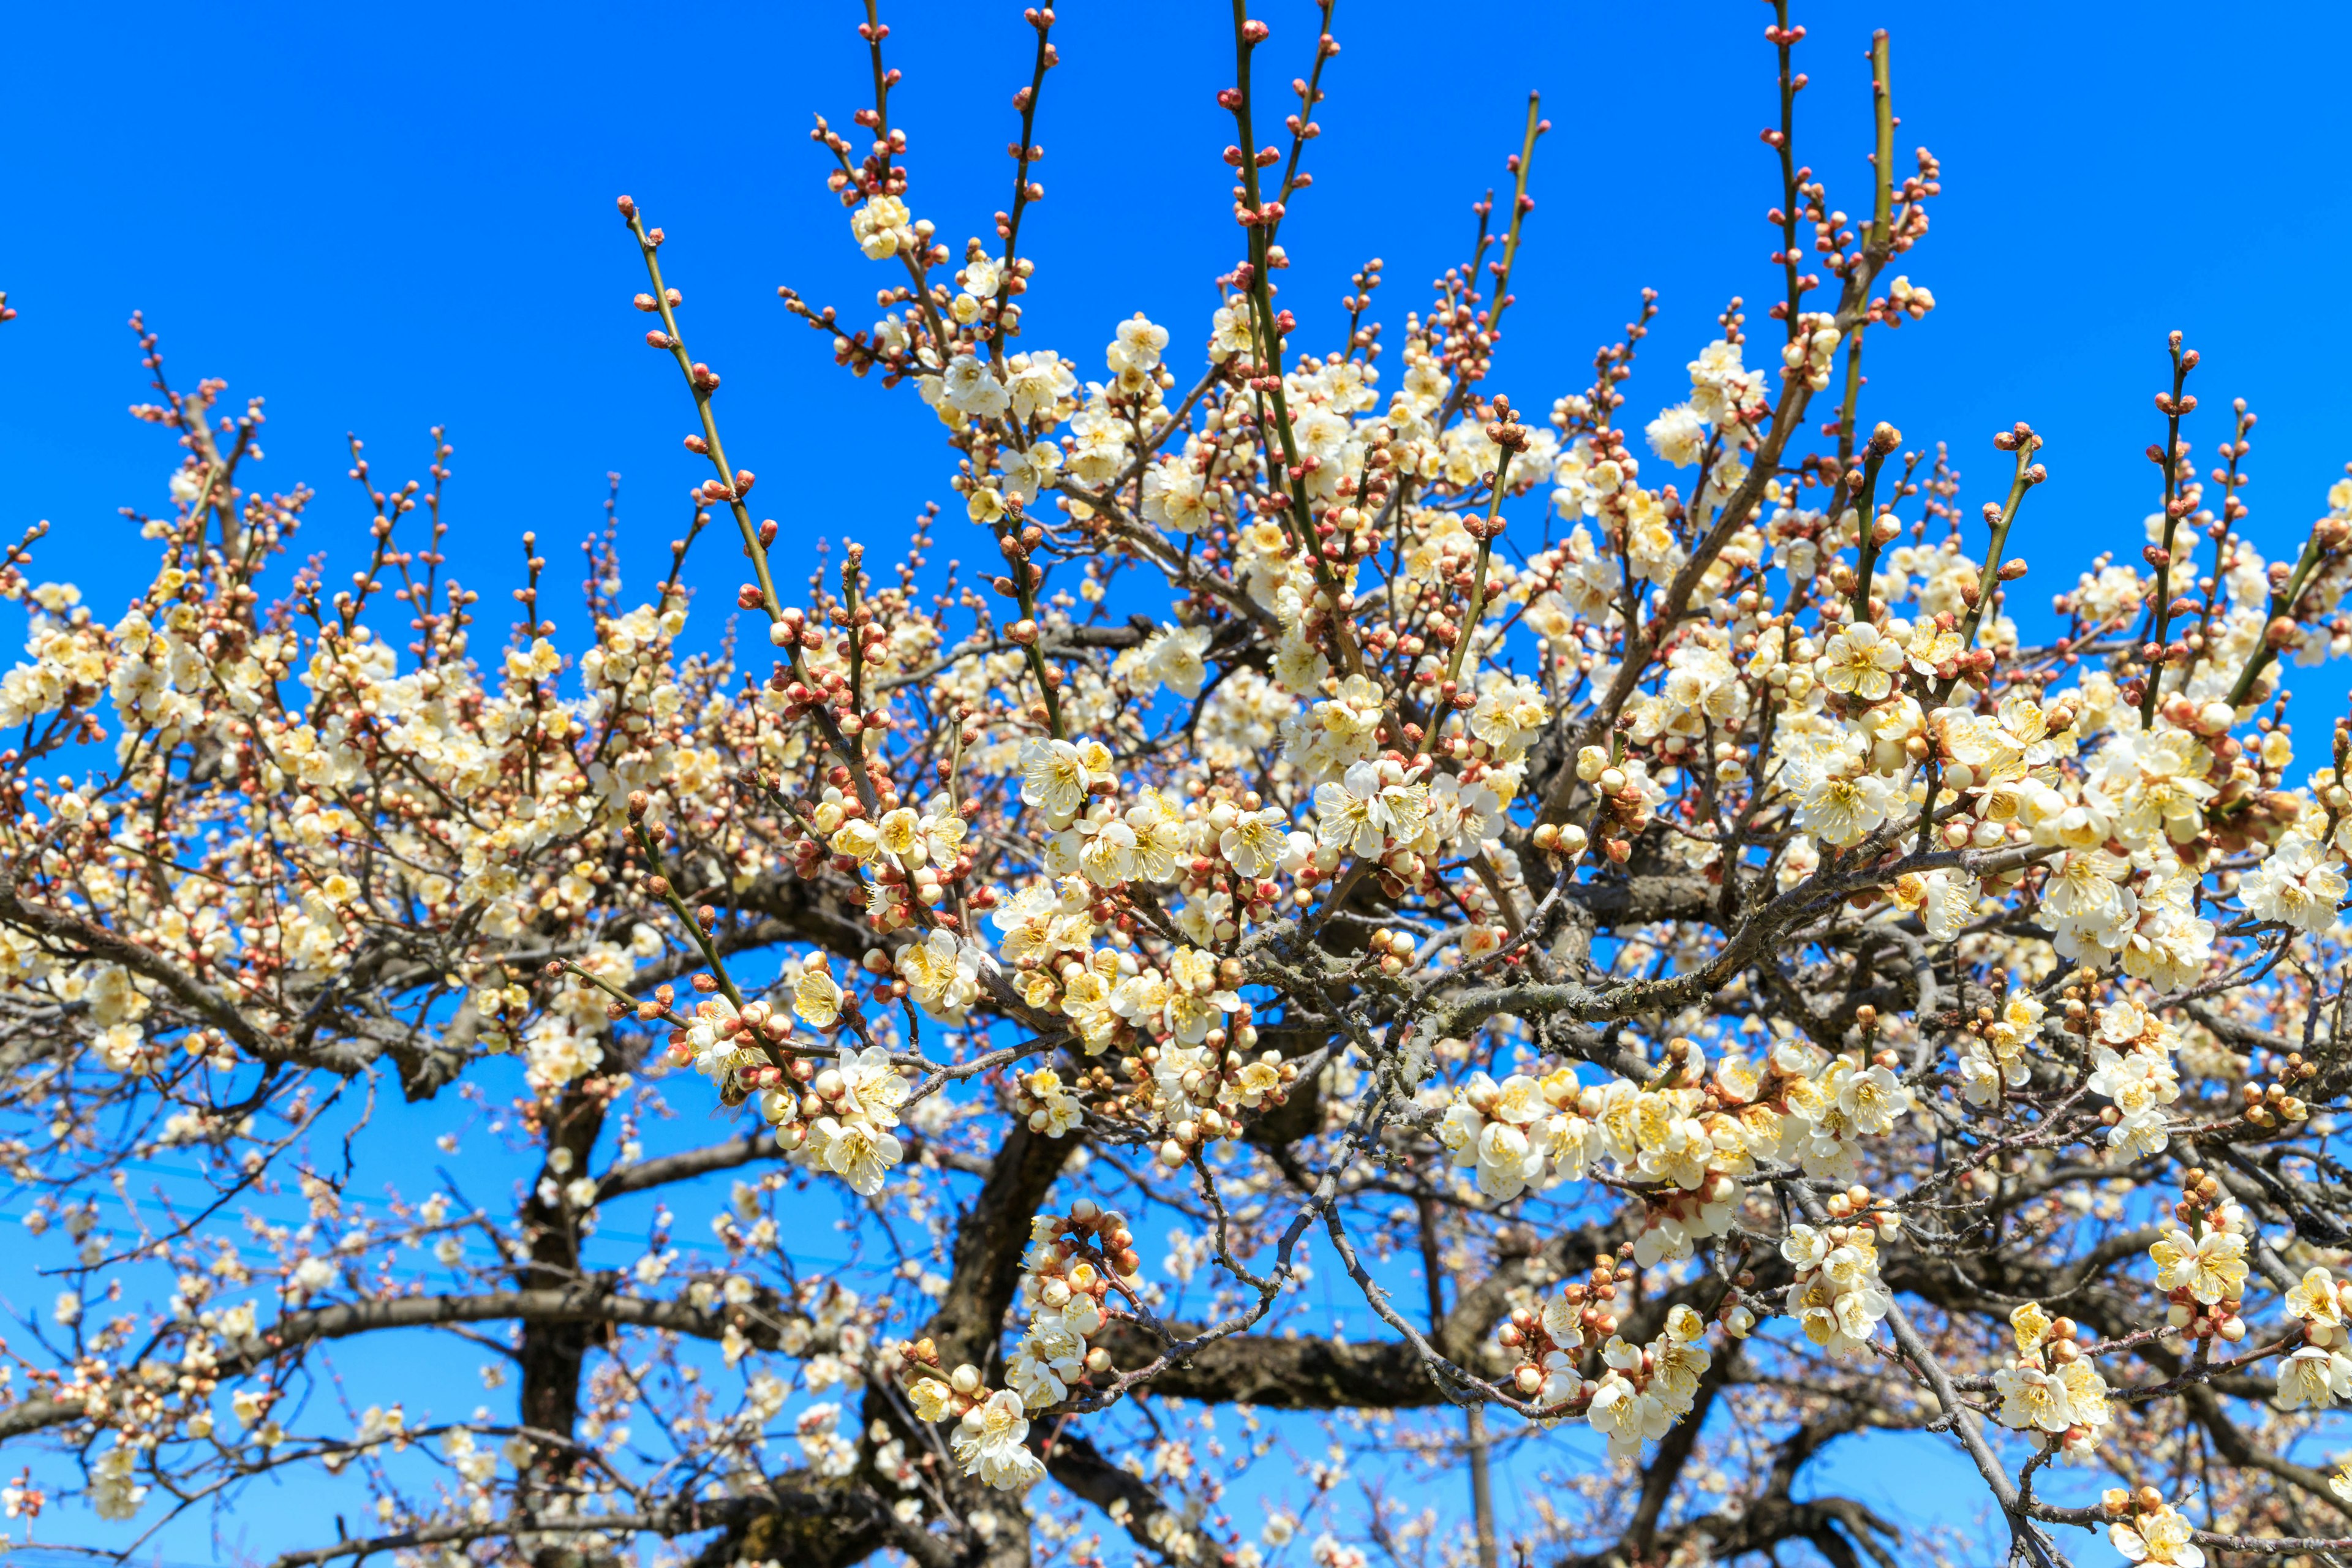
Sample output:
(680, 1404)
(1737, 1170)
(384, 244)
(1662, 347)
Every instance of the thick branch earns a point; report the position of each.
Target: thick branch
(582, 1304)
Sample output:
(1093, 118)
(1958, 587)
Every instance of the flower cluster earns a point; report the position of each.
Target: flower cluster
(2201, 1262)
(2147, 1529)
(1689, 1146)
(991, 1435)
(1647, 1388)
(1547, 1340)
(2318, 1374)
(1064, 1289)
(2131, 1063)
(1837, 1297)
(2052, 1392)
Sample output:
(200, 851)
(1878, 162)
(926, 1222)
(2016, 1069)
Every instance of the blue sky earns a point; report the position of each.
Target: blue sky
(386, 218)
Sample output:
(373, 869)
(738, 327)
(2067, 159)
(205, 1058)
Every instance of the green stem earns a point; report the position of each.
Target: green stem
(1866, 510)
(2280, 604)
(1477, 605)
(668, 895)
(2182, 365)
(1269, 352)
(717, 452)
(1989, 578)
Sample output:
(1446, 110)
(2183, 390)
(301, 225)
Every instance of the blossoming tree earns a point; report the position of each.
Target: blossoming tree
(1640, 900)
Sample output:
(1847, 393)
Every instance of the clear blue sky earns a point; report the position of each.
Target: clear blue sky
(385, 218)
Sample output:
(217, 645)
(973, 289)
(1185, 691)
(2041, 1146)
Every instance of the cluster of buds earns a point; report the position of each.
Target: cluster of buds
(21, 1496)
(1733, 1312)
(1089, 1230)
(1564, 839)
(1548, 1339)
(755, 1028)
(1504, 429)
(1904, 298)
(1016, 544)
(883, 974)
(1628, 801)
(2212, 720)
(2274, 1106)
(1391, 949)
(1512, 437)
(1857, 1203)
(1583, 1312)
